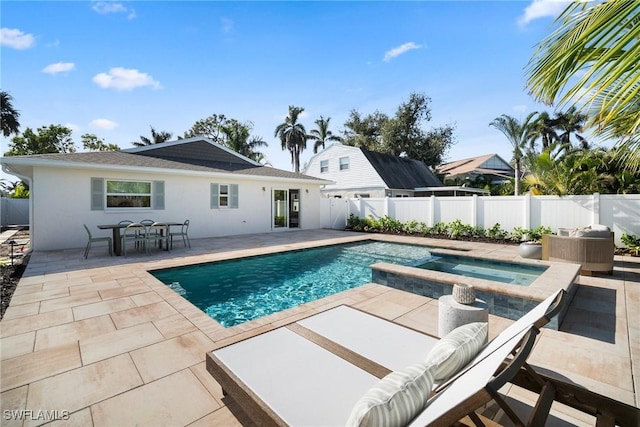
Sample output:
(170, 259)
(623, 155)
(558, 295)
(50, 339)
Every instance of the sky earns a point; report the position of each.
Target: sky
(116, 68)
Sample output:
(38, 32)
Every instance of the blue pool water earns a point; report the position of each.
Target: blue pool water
(234, 292)
(505, 272)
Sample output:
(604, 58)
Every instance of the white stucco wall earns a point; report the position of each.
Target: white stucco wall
(62, 203)
(361, 177)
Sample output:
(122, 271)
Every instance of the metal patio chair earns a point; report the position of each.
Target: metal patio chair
(183, 232)
(92, 240)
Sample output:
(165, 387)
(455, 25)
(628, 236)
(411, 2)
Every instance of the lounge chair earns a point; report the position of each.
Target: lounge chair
(312, 372)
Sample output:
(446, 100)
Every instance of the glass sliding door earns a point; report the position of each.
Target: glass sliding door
(280, 208)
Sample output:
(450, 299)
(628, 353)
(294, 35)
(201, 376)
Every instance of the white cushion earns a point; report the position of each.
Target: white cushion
(457, 348)
(395, 400)
(600, 227)
(593, 233)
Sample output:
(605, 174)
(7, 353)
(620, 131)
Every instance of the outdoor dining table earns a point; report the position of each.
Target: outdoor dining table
(117, 243)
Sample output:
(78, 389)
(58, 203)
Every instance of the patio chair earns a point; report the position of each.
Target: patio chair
(183, 233)
(93, 240)
(313, 372)
(157, 233)
(135, 233)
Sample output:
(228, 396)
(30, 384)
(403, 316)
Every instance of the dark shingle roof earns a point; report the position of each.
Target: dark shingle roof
(401, 172)
(199, 156)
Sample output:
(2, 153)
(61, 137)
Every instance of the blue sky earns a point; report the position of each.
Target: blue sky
(116, 68)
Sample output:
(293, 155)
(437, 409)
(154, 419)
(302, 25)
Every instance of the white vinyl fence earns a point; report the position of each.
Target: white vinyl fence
(620, 212)
(14, 211)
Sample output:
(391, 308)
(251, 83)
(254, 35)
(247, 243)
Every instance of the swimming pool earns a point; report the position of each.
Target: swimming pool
(497, 271)
(234, 292)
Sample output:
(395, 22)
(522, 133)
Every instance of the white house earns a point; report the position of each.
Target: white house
(357, 172)
(217, 189)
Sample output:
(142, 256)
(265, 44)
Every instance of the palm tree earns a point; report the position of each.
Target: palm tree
(519, 135)
(322, 134)
(543, 128)
(570, 122)
(9, 117)
(293, 136)
(236, 137)
(590, 61)
(156, 138)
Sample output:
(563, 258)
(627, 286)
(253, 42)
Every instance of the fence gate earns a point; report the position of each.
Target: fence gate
(338, 212)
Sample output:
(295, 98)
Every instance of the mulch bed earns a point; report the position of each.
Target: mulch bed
(11, 274)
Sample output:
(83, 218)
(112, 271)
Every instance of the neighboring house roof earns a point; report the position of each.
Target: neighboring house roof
(401, 172)
(489, 164)
(192, 154)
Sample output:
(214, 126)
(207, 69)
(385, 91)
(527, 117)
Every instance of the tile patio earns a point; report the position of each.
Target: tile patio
(104, 343)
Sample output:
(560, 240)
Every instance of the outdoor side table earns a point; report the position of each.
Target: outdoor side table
(452, 314)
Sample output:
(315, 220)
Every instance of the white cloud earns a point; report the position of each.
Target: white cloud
(59, 67)
(103, 124)
(119, 78)
(72, 126)
(541, 9)
(520, 108)
(16, 39)
(107, 7)
(227, 25)
(397, 51)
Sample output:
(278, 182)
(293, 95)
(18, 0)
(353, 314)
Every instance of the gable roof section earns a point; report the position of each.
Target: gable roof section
(401, 172)
(486, 164)
(197, 150)
(193, 155)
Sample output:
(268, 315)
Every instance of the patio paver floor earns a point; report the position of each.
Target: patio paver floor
(102, 341)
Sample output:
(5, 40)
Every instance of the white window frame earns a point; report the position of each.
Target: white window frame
(324, 166)
(344, 163)
(107, 194)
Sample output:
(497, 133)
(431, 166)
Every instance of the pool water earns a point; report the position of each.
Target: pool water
(234, 292)
(504, 272)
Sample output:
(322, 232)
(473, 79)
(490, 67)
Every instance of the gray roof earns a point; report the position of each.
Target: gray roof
(198, 155)
(401, 172)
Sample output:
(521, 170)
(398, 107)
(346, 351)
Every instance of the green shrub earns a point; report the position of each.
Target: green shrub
(631, 242)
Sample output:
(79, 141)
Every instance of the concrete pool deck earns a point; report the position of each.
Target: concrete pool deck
(103, 343)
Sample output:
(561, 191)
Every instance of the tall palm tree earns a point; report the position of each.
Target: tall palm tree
(519, 135)
(293, 136)
(543, 127)
(590, 61)
(236, 137)
(156, 138)
(322, 134)
(568, 122)
(9, 115)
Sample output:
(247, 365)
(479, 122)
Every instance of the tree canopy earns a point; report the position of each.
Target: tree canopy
(156, 138)
(9, 115)
(91, 142)
(49, 139)
(403, 134)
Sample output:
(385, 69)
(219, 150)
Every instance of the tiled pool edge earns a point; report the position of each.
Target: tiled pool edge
(504, 300)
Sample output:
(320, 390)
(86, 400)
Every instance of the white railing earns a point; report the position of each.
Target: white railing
(621, 212)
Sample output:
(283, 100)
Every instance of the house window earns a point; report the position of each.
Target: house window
(224, 196)
(324, 166)
(128, 194)
(344, 163)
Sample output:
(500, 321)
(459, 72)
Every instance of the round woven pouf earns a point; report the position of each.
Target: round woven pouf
(464, 294)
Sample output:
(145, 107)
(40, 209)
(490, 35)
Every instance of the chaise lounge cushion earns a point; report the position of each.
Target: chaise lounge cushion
(396, 399)
(457, 348)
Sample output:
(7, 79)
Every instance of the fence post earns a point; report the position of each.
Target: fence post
(432, 217)
(386, 206)
(527, 211)
(596, 209)
(474, 210)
